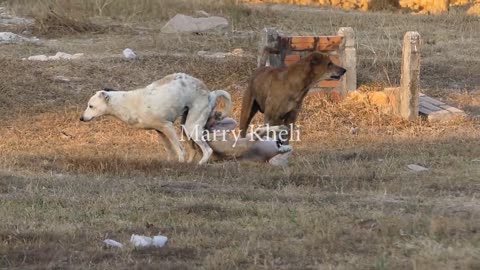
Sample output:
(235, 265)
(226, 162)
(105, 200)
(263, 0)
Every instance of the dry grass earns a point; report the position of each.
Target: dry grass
(345, 202)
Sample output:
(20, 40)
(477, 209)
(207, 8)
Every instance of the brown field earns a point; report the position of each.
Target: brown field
(345, 202)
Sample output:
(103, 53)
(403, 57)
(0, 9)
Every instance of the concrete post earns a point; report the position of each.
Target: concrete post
(268, 38)
(348, 58)
(410, 78)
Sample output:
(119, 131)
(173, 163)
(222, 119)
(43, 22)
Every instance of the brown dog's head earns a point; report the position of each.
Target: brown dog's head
(322, 67)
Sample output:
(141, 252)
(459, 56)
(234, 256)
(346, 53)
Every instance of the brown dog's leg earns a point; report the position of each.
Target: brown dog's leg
(290, 120)
(249, 109)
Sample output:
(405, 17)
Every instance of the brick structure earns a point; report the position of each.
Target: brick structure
(287, 50)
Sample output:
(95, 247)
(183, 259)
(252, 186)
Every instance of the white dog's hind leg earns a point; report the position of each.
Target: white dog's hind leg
(195, 131)
(172, 140)
(194, 127)
(166, 145)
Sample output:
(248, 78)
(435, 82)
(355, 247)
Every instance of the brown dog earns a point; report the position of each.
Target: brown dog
(279, 92)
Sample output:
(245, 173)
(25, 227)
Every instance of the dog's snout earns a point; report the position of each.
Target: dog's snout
(82, 119)
(341, 71)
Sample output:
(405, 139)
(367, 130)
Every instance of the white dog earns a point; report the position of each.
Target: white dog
(159, 104)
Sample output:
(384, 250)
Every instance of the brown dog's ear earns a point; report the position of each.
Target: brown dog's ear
(317, 58)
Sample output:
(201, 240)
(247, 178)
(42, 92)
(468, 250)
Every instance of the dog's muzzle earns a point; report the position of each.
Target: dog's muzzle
(82, 119)
(338, 74)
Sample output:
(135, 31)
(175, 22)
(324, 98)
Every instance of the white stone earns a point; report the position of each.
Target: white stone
(112, 243)
(186, 24)
(61, 56)
(56, 57)
(238, 52)
(38, 58)
(11, 38)
(417, 168)
(129, 54)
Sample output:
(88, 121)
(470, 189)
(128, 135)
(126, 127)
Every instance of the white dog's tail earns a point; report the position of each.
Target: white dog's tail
(228, 101)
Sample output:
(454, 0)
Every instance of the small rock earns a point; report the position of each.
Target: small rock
(112, 243)
(60, 56)
(56, 57)
(129, 54)
(417, 168)
(38, 58)
(238, 52)
(187, 24)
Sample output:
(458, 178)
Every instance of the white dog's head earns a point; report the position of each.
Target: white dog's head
(97, 106)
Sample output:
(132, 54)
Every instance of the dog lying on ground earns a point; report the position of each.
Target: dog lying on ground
(256, 146)
(279, 92)
(159, 104)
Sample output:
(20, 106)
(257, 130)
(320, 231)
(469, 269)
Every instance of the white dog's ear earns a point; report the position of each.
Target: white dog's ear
(105, 96)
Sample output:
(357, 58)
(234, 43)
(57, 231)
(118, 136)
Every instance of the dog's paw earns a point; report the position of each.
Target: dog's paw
(285, 149)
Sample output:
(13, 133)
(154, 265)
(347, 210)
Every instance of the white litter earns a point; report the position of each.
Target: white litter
(129, 54)
(141, 240)
(112, 243)
(145, 241)
(417, 168)
(160, 241)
